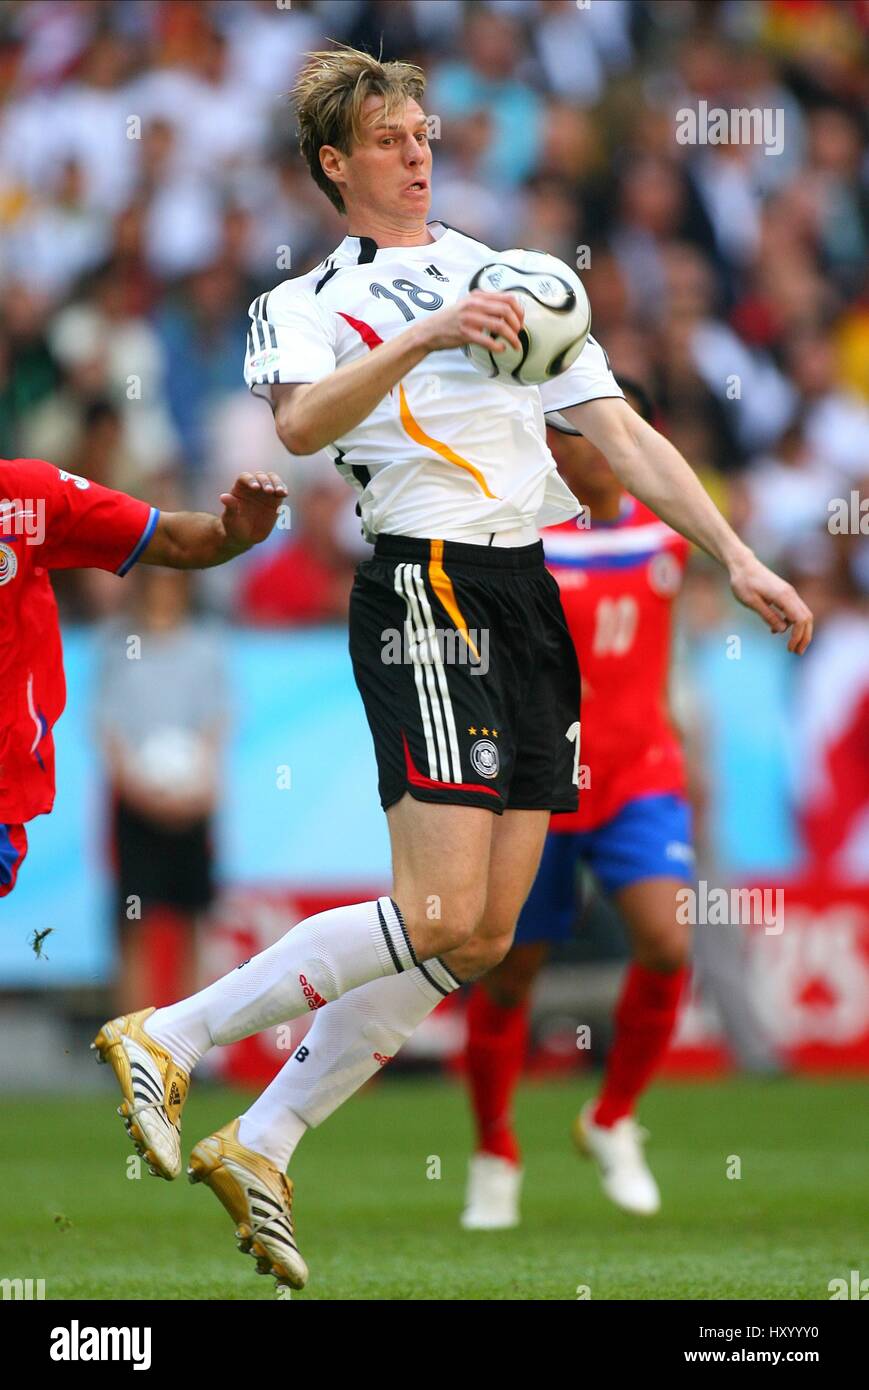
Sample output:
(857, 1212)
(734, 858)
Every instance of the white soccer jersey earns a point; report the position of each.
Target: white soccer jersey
(447, 453)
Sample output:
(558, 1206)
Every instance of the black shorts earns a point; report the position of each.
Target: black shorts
(468, 675)
(164, 868)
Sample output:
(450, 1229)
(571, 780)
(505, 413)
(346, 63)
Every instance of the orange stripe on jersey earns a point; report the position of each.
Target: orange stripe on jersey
(443, 587)
(418, 434)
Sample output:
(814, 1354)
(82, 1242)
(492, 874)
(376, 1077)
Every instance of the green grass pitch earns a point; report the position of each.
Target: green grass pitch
(373, 1224)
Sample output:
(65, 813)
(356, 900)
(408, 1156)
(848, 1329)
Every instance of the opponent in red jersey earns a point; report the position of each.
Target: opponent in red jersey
(618, 568)
(50, 519)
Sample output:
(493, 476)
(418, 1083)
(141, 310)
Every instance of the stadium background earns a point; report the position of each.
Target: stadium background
(150, 187)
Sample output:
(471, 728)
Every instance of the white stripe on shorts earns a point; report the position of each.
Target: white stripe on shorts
(402, 578)
(456, 775)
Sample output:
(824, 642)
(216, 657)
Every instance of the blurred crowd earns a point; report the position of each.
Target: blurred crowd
(150, 187)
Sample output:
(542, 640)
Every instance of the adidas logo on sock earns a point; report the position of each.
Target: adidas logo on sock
(315, 1000)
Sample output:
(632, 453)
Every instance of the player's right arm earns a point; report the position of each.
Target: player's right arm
(310, 415)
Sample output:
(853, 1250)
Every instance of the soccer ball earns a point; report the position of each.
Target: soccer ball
(557, 317)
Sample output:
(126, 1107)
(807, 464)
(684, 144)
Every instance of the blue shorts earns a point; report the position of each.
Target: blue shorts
(648, 838)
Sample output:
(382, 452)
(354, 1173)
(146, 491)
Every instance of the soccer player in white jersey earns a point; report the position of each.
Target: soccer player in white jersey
(457, 637)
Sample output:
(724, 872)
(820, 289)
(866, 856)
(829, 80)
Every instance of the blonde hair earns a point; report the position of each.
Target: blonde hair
(329, 94)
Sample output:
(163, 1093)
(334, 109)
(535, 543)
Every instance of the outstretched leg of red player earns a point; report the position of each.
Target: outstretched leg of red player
(645, 1018)
(495, 1055)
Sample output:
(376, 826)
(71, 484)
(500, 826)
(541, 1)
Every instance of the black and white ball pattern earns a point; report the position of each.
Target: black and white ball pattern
(557, 317)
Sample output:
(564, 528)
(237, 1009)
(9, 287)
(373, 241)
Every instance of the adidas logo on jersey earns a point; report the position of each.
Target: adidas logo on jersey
(433, 270)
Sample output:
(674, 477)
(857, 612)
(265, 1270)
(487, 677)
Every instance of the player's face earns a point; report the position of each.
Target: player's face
(389, 170)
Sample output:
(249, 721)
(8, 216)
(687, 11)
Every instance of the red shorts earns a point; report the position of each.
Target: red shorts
(13, 848)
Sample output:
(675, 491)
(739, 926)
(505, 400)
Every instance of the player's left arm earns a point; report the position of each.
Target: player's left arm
(653, 470)
(199, 540)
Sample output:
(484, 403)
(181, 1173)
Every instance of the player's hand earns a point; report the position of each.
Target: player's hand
(777, 602)
(251, 509)
(489, 319)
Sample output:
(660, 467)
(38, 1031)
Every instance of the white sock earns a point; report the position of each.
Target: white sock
(346, 1045)
(314, 963)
